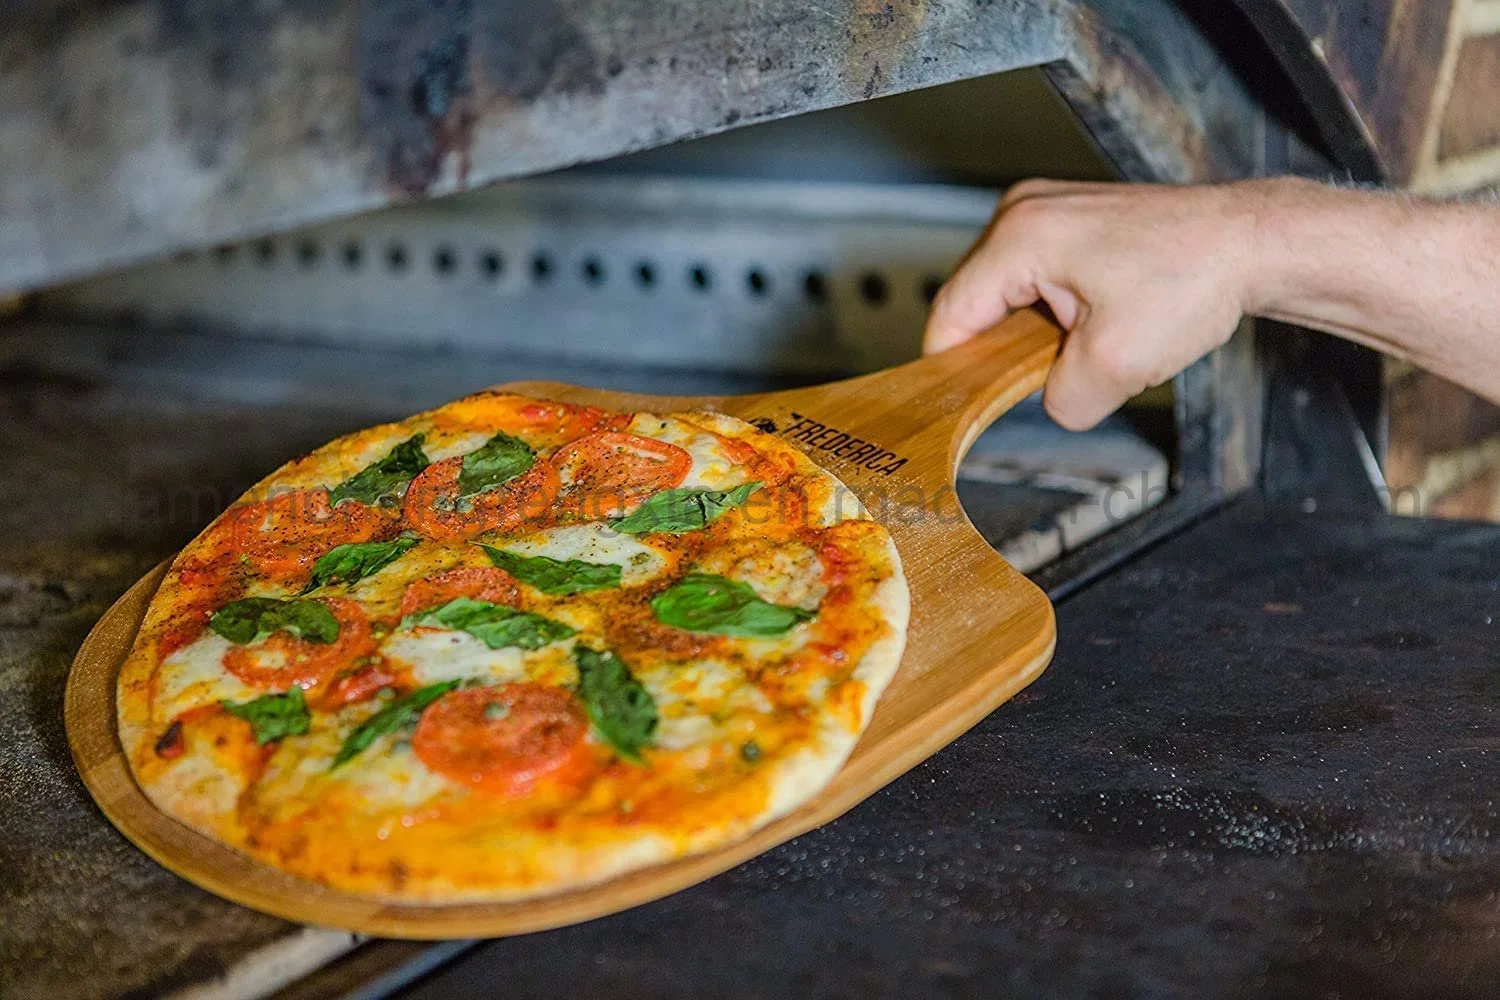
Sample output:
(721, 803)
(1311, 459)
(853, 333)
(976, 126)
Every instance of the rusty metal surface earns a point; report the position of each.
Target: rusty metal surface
(1262, 764)
(133, 127)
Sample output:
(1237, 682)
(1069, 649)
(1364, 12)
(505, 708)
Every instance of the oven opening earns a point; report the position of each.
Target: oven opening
(780, 254)
(783, 253)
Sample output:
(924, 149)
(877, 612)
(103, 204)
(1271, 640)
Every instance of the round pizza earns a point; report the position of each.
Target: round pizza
(513, 646)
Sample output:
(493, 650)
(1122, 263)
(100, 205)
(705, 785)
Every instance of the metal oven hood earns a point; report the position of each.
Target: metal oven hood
(129, 129)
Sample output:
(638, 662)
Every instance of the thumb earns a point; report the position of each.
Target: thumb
(1007, 269)
(974, 300)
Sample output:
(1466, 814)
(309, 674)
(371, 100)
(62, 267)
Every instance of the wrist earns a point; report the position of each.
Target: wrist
(1268, 211)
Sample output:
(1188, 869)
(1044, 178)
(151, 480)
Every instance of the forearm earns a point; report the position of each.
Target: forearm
(1147, 278)
(1413, 278)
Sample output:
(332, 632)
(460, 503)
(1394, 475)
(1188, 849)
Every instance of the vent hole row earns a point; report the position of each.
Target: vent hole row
(874, 287)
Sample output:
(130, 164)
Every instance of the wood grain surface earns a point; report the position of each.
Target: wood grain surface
(980, 632)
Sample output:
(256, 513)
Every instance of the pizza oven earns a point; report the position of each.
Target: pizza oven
(229, 232)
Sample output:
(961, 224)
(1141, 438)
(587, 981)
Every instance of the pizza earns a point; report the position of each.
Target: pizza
(510, 647)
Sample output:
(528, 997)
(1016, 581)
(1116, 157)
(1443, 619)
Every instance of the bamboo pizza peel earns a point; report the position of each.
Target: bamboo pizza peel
(979, 632)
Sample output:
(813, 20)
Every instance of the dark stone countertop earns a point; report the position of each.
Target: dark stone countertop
(1264, 762)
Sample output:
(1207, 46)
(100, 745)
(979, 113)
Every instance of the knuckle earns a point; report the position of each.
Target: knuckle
(1032, 215)
(1064, 409)
(1032, 187)
(1120, 359)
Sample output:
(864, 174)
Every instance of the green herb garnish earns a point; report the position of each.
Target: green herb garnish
(558, 577)
(273, 716)
(620, 708)
(388, 477)
(398, 715)
(496, 625)
(497, 461)
(357, 560)
(680, 510)
(253, 618)
(701, 602)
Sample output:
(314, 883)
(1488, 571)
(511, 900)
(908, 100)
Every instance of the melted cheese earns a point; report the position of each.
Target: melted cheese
(194, 675)
(712, 468)
(779, 572)
(333, 463)
(205, 779)
(385, 775)
(595, 542)
(435, 654)
(380, 593)
(388, 774)
(446, 444)
(690, 698)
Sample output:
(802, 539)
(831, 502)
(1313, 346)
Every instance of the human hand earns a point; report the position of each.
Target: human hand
(1146, 279)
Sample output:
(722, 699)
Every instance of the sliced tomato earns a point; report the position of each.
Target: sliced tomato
(359, 684)
(608, 473)
(544, 424)
(281, 659)
(432, 505)
(482, 583)
(505, 739)
(186, 626)
(739, 452)
(204, 586)
(567, 420)
(283, 536)
(532, 500)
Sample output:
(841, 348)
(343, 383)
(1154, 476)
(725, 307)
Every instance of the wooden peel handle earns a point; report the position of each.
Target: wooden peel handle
(996, 370)
(1009, 361)
(960, 392)
(928, 411)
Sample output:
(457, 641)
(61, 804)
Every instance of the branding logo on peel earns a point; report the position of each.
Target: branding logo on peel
(815, 435)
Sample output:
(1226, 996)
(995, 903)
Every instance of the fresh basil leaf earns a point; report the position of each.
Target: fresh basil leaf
(701, 602)
(558, 577)
(622, 711)
(357, 560)
(497, 461)
(493, 624)
(681, 510)
(273, 716)
(388, 477)
(398, 715)
(253, 618)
